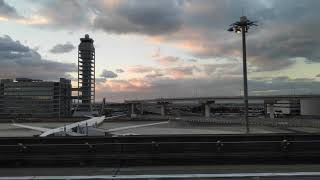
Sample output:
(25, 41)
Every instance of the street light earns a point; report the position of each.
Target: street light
(243, 26)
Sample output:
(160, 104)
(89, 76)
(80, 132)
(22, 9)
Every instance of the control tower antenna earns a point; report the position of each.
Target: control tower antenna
(86, 73)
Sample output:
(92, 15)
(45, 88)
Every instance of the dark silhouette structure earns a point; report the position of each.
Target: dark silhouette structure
(86, 74)
(243, 26)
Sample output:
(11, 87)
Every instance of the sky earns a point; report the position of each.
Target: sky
(167, 48)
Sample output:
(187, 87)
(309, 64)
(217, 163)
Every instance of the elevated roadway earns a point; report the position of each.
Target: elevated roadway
(215, 98)
(207, 101)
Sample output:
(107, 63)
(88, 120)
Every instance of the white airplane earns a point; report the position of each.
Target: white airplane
(81, 128)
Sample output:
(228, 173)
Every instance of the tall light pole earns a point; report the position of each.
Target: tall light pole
(243, 26)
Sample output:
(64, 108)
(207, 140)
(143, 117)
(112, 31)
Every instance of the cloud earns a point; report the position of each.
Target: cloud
(7, 11)
(119, 70)
(62, 48)
(181, 72)
(130, 85)
(193, 60)
(199, 27)
(157, 53)
(280, 37)
(168, 60)
(285, 85)
(61, 14)
(151, 17)
(33, 20)
(18, 60)
(154, 75)
(108, 74)
(226, 69)
(140, 69)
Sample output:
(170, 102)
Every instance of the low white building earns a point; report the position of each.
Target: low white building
(287, 107)
(284, 108)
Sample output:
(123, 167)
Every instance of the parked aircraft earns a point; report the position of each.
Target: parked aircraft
(81, 128)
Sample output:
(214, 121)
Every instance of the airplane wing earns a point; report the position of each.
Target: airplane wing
(41, 129)
(93, 121)
(135, 126)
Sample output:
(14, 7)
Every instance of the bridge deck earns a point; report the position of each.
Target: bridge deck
(214, 98)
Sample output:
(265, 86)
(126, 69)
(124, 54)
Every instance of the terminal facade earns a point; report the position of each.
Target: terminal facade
(25, 97)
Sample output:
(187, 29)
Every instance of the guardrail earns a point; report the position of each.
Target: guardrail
(153, 151)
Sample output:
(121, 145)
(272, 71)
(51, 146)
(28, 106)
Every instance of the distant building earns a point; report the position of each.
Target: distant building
(25, 97)
(287, 107)
(284, 108)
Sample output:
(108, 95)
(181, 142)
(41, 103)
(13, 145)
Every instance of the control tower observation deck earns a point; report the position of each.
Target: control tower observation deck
(86, 74)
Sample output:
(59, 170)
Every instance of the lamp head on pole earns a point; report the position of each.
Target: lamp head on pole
(244, 22)
(238, 30)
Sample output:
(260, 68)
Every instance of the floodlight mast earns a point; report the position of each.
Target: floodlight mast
(243, 26)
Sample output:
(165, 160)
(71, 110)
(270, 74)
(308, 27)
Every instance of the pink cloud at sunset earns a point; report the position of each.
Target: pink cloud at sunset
(140, 69)
(168, 60)
(130, 85)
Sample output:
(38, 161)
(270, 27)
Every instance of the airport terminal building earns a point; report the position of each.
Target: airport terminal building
(25, 97)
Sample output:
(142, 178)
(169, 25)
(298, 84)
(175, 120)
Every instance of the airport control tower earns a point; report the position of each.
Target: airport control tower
(86, 73)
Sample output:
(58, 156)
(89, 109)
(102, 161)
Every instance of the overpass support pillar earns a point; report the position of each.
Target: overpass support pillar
(163, 109)
(141, 109)
(207, 107)
(163, 106)
(132, 110)
(207, 110)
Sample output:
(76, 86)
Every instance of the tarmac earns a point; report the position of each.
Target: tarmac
(8, 130)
